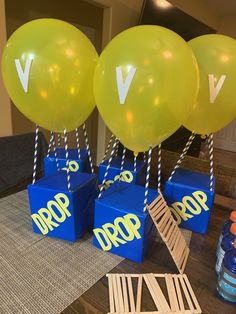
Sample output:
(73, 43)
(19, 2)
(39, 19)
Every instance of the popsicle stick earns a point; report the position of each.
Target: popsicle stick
(164, 220)
(125, 293)
(139, 294)
(171, 293)
(116, 298)
(185, 260)
(119, 291)
(167, 227)
(152, 292)
(131, 295)
(155, 201)
(187, 296)
(179, 294)
(111, 296)
(197, 306)
(170, 232)
(159, 294)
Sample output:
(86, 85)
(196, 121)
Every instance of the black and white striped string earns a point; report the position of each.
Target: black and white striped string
(59, 140)
(117, 149)
(144, 157)
(159, 168)
(184, 152)
(122, 163)
(50, 144)
(67, 161)
(88, 148)
(135, 161)
(55, 151)
(108, 147)
(210, 148)
(147, 179)
(35, 153)
(108, 167)
(77, 142)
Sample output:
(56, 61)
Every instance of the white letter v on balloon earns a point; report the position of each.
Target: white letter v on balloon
(123, 86)
(214, 90)
(24, 75)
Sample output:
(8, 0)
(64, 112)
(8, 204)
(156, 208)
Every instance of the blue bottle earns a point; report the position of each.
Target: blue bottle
(226, 244)
(227, 279)
(225, 229)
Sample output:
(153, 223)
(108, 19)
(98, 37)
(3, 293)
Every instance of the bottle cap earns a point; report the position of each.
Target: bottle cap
(235, 243)
(233, 228)
(233, 216)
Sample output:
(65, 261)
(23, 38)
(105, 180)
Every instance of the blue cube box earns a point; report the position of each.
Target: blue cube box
(75, 164)
(120, 225)
(128, 174)
(190, 200)
(58, 213)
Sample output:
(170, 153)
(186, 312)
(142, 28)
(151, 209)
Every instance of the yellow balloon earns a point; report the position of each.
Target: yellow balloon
(145, 85)
(48, 68)
(216, 103)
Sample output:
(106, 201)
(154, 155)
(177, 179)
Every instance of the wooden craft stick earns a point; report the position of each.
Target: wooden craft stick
(179, 294)
(125, 293)
(156, 200)
(164, 220)
(159, 294)
(116, 298)
(180, 250)
(119, 291)
(149, 286)
(176, 244)
(111, 296)
(131, 294)
(187, 296)
(171, 293)
(197, 306)
(170, 232)
(139, 294)
(167, 227)
(185, 260)
(173, 238)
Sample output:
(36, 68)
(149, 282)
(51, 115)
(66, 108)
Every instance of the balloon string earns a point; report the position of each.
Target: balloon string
(55, 151)
(35, 153)
(77, 142)
(184, 152)
(144, 157)
(122, 163)
(135, 162)
(59, 140)
(147, 179)
(108, 167)
(67, 162)
(210, 148)
(117, 149)
(108, 147)
(88, 148)
(50, 144)
(159, 168)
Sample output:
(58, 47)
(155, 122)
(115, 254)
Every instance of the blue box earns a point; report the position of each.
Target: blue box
(120, 225)
(129, 175)
(190, 200)
(58, 213)
(76, 164)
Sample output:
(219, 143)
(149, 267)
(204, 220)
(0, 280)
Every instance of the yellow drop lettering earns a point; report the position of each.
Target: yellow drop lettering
(51, 217)
(122, 230)
(189, 206)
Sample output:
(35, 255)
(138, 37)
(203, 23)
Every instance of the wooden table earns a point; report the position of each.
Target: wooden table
(200, 271)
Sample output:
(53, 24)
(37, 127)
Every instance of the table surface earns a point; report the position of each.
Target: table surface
(200, 271)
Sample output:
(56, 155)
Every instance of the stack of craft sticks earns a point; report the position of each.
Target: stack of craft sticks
(169, 232)
(180, 296)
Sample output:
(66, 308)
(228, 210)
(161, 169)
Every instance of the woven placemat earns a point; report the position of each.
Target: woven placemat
(40, 274)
